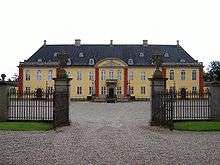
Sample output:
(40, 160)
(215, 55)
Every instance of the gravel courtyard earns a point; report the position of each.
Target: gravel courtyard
(102, 133)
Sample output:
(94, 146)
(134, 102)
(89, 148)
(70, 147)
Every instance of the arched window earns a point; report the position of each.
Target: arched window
(130, 61)
(91, 61)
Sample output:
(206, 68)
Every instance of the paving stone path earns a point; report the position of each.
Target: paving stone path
(102, 133)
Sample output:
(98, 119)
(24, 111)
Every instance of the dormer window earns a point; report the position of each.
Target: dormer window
(91, 61)
(55, 54)
(39, 60)
(182, 60)
(81, 54)
(141, 54)
(130, 61)
(166, 55)
(68, 62)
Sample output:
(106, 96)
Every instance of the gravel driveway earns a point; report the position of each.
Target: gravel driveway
(102, 133)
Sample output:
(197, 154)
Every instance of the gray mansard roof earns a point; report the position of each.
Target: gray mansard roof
(141, 55)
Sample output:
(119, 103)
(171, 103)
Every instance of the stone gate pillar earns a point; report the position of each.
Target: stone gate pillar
(3, 101)
(214, 101)
(61, 101)
(158, 85)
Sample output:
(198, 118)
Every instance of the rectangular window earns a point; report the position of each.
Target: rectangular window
(39, 76)
(91, 76)
(183, 75)
(142, 90)
(103, 75)
(79, 90)
(27, 89)
(103, 90)
(143, 76)
(79, 75)
(119, 74)
(130, 76)
(118, 90)
(171, 74)
(49, 89)
(193, 74)
(50, 74)
(131, 90)
(194, 89)
(27, 75)
(90, 90)
(111, 74)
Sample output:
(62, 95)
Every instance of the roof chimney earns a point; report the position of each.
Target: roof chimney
(77, 42)
(45, 42)
(177, 42)
(111, 42)
(145, 43)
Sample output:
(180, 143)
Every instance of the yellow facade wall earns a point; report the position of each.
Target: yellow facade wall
(188, 83)
(33, 83)
(137, 83)
(84, 83)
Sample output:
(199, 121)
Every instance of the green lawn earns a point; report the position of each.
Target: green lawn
(25, 126)
(198, 126)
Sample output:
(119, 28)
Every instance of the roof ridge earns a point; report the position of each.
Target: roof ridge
(112, 45)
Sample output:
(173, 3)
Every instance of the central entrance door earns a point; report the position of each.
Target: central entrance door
(111, 91)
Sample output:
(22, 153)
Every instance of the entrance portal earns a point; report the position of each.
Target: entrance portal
(111, 92)
(111, 88)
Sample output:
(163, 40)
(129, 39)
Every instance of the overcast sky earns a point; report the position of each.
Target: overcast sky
(26, 23)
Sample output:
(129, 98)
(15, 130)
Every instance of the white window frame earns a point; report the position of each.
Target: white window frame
(103, 90)
(39, 75)
(143, 76)
(91, 76)
(194, 89)
(91, 61)
(183, 75)
(27, 75)
(172, 74)
(50, 74)
(79, 75)
(130, 75)
(119, 90)
(194, 74)
(111, 74)
(143, 90)
(131, 90)
(79, 90)
(119, 74)
(103, 75)
(130, 61)
(27, 89)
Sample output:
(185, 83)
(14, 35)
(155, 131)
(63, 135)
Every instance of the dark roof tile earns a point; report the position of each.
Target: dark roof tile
(123, 52)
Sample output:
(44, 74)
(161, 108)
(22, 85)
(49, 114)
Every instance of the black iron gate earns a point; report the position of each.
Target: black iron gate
(170, 106)
(30, 105)
(162, 109)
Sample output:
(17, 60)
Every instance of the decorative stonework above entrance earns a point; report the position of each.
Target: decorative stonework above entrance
(110, 63)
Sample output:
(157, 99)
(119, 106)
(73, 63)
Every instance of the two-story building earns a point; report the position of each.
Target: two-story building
(103, 69)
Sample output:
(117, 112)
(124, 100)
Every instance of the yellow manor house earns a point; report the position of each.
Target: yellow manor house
(108, 69)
